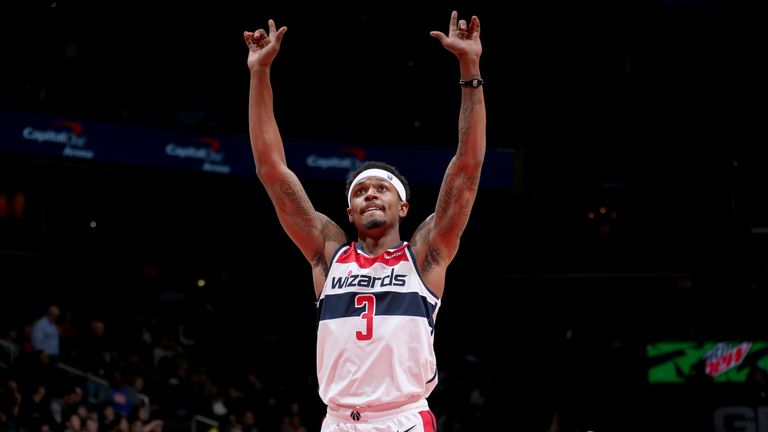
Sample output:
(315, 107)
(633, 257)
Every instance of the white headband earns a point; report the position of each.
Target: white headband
(380, 173)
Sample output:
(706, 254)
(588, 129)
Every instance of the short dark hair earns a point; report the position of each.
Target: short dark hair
(380, 165)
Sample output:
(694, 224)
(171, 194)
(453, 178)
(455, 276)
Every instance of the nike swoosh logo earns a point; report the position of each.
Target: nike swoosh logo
(407, 429)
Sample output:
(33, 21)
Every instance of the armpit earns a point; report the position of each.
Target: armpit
(431, 259)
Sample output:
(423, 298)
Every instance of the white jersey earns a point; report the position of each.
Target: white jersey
(375, 330)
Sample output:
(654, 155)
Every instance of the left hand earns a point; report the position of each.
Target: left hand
(263, 46)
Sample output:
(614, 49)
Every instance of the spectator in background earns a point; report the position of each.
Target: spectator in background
(63, 408)
(35, 408)
(108, 419)
(91, 424)
(68, 332)
(10, 403)
(119, 395)
(74, 423)
(45, 333)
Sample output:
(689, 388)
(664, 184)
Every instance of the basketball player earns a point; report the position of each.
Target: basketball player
(378, 296)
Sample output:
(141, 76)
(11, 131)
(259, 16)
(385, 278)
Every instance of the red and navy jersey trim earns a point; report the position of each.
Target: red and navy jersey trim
(390, 257)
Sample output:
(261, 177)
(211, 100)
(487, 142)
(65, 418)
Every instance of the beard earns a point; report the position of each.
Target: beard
(374, 223)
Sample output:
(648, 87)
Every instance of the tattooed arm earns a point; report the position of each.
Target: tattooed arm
(436, 241)
(314, 233)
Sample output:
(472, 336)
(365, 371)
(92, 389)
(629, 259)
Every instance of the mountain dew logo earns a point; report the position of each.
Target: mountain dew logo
(706, 361)
(724, 357)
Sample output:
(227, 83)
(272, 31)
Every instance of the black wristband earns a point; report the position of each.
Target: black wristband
(474, 82)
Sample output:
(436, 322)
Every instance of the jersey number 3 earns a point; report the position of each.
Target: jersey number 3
(368, 301)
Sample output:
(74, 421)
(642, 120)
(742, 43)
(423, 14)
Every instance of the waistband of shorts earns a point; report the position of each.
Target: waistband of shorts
(378, 412)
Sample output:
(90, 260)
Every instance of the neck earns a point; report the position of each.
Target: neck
(376, 245)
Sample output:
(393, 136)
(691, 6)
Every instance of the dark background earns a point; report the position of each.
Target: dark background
(652, 110)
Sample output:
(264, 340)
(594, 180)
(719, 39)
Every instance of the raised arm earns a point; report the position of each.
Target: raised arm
(314, 233)
(438, 237)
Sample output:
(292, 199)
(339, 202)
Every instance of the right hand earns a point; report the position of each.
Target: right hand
(263, 47)
(462, 40)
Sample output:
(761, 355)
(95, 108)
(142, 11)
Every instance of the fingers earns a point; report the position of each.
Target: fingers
(280, 33)
(439, 35)
(250, 38)
(474, 26)
(452, 24)
(255, 39)
(258, 37)
(459, 28)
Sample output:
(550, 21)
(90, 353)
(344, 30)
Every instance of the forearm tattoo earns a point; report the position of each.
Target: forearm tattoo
(292, 201)
(455, 201)
(468, 105)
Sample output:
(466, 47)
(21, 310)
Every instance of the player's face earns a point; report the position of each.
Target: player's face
(375, 203)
